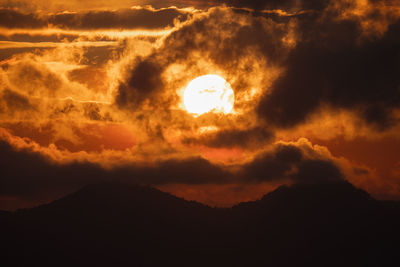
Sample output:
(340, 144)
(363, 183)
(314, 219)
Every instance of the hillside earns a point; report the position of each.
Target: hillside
(330, 224)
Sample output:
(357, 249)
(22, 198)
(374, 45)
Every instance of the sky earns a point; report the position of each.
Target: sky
(93, 91)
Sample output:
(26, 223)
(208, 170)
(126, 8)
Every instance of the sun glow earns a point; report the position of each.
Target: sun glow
(208, 93)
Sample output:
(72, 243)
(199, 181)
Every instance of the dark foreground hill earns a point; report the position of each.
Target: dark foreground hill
(331, 224)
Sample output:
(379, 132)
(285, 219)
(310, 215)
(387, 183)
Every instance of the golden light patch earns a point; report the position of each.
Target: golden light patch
(209, 93)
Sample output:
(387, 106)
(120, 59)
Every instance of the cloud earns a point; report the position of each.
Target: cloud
(239, 47)
(334, 64)
(314, 171)
(259, 56)
(144, 82)
(134, 18)
(293, 162)
(252, 4)
(11, 18)
(41, 176)
(278, 4)
(250, 138)
(141, 18)
(57, 84)
(243, 49)
(273, 165)
(38, 175)
(12, 101)
(31, 79)
(84, 5)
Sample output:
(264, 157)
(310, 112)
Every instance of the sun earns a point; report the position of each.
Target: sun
(208, 93)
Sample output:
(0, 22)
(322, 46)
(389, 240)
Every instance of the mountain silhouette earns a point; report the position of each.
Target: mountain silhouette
(325, 224)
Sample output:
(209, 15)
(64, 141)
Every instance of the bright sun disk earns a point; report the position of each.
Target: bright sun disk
(208, 93)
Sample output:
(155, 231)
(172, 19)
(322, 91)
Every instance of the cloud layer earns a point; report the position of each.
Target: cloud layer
(344, 69)
(41, 178)
(134, 18)
(96, 94)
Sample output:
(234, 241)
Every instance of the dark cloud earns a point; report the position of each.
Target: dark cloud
(10, 18)
(144, 81)
(91, 20)
(29, 175)
(333, 64)
(225, 40)
(278, 4)
(315, 171)
(129, 18)
(273, 165)
(253, 4)
(187, 171)
(95, 56)
(219, 38)
(15, 101)
(245, 138)
(289, 162)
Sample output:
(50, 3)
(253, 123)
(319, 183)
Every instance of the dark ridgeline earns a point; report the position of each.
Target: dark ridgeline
(327, 224)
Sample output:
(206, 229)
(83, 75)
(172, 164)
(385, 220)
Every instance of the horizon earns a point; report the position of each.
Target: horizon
(117, 225)
(110, 186)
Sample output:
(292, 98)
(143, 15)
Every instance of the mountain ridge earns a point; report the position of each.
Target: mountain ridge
(120, 225)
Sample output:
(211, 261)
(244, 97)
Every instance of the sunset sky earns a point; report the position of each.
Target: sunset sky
(94, 91)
